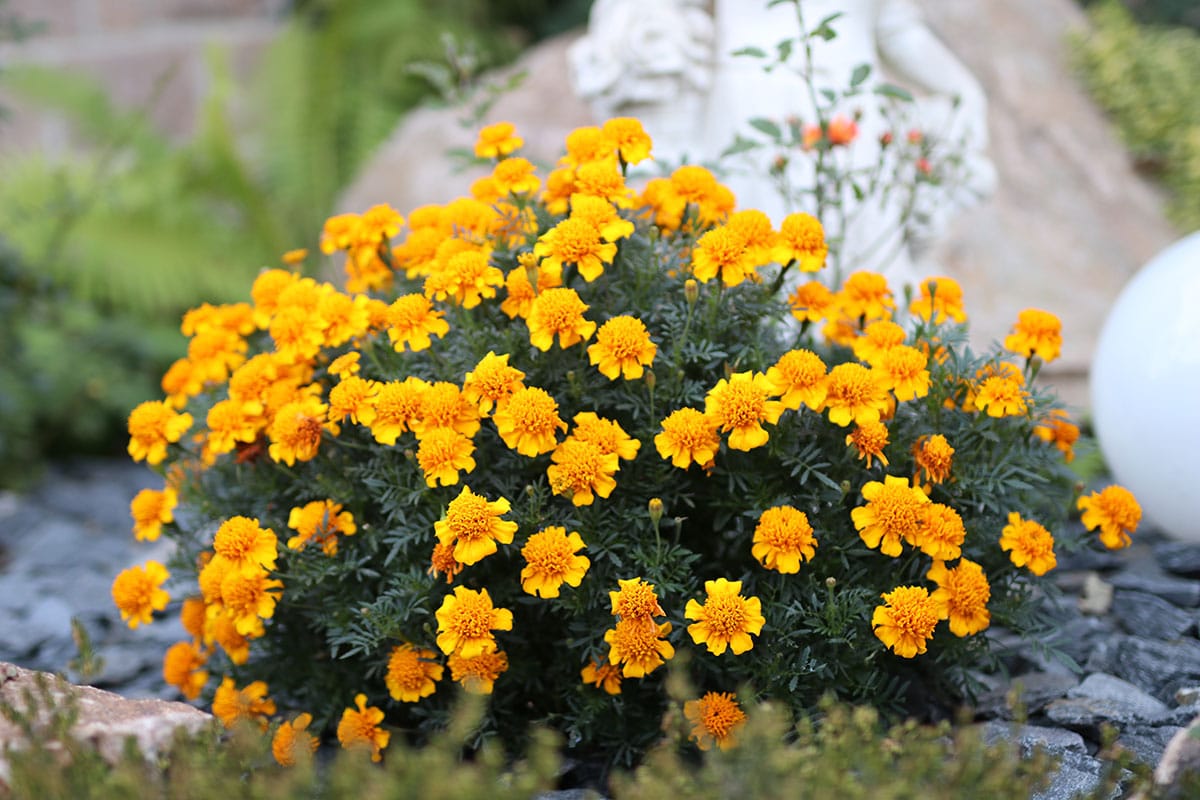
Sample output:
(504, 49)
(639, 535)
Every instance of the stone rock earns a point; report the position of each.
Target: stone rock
(1179, 558)
(1146, 615)
(1188, 695)
(1099, 686)
(1077, 775)
(1097, 597)
(1159, 668)
(1054, 741)
(106, 720)
(1036, 690)
(1147, 743)
(1183, 593)
(1180, 759)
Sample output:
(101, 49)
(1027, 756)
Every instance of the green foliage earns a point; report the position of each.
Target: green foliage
(1144, 77)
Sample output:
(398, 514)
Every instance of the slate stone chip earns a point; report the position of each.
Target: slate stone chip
(1149, 616)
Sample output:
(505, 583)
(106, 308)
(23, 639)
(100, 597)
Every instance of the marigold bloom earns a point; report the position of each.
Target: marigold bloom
(940, 297)
(1029, 543)
(855, 393)
(478, 673)
(491, 381)
(635, 599)
(934, 456)
(1057, 429)
(320, 522)
(609, 436)
(192, 613)
(412, 320)
(497, 140)
(151, 509)
(942, 533)
(739, 406)
(876, 340)
(360, 728)
(528, 421)
(585, 144)
(603, 178)
(893, 513)
(515, 175)
(811, 302)
(688, 436)
(296, 430)
(905, 624)
(603, 215)
(442, 561)
(467, 279)
(637, 646)
(726, 619)
(1115, 511)
(220, 629)
(353, 397)
(152, 426)
(622, 347)
(630, 138)
(443, 405)
(866, 296)
(869, 439)
(519, 289)
(962, 596)
(1037, 333)
(799, 378)
(715, 718)
(412, 673)
(558, 311)
(248, 599)
(905, 372)
(397, 407)
(297, 332)
(345, 365)
(550, 561)
(245, 546)
(602, 676)
(575, 241)
(582, 470)
(1001, 396)
(466, 620)
(292, 738)
(250, 703)
(473, 526)
(801, 239)
(229, 423)
(783, 538)
(137, 594)
(442, 454)
(722, 251)
(842, 129)
(183, 668)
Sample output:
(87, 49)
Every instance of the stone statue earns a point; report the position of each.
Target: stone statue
(671, 63)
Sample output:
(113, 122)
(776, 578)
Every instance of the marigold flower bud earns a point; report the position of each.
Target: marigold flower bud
(651, 381)
(691, 291)
(655, 507)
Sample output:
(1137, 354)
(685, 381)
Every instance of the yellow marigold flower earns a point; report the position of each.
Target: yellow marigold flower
(739, 406)
(934, 456)
(940, 297)
(1057, 429)
(726, 619)
(215, 352)
(245, 546)
(942, 533)
(492, 381)
(443, 405)
(799, 378)
(582, 470)
(343, 318)
(295, 432)
(630, 138)
(635, 599)
(694, 184)
(345, 365)
(292, 738)
(558, 311)
(688, 437)
(783, 538)
(811, 302)
(152, 426)
(412, 321)
(478, 673)
(211, 574)
(466, 620)
(467, 278)
(801, 239)
(602, 214)
(497, 140)
(560, 185)
(267, 287)
(248, 599)
(575, 241)
(551, 561)
(962, 596)
(412, 673)
(757, 232)
(442, 561)
(855, 393)
(320, 522)
(486, 189)
(151, 509)
(397, 408)
(876, 340)
(353, 397)
(232, 705)
(905, 624)
(622, 347)
(1037, 333)
(904, 370)
(294, 256)
(473, 525)
(515, 175)
(866, 296)
(1001, 396)
(520, 292)
(297, 332)
(602, 676)
(220, 628)
(609, 436)
(137, 594)
(603, 178)
(442, 454)
(228, 423)
(715, 718)
(1029, 543)
(360, 728)
(722, 251)
(586, 144)
(528, 421)
(893, 513)
(183, 668)
(181, 381)
(869, 439)
(192, 613)
(1115, 511)
(637, 646)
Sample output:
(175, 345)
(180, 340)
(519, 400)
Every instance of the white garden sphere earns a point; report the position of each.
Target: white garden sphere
(1145, 389)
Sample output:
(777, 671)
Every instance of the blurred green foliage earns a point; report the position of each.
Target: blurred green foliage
(1161, 12)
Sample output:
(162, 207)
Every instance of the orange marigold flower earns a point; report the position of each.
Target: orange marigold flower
(940, 297)
(270, 284)
(360, 728)
(739, 406)
(783, 539)
(291, 739)
(397, 408)
(478, 673)
(443, 405)
(519, 289)
(411, 321)
(472, 525)
(442, 454)
(320, 522)
(715, 718)
(893, 513)
(412, 673)
(801, 240)
(756, 231)
(491, 381)
(528, 421)
(866, 296)
(442, 561)
(497, 140)
(934, 456)
(905, 624)
(942, 533)
(869, 439)
(904, 370)
(152, 426)
(515, 175)
(245, 546)
(842, 129)
(560, 186)
(799, 377)
(585, 144)
(295, 432)
(631, 140)
(1057, 429)
(137, 592)
(637, 646)
(151, 509)
(602, 214)
(353, 397)
(558, 311)
(582, 470)
(467, 278)
(250, 703)
(1115, 511)
(811, 302)
(192, 613)
(219, 628)
(575, 241)
(249, 599)
(297, 332)
(609, 436)
(722, 251)
(228, 423)
(855, 393)
(962, 596)
(603, 178)
(1029, 543)
(466, 620)
(622, 347)
(688, 436)
(183, 668)
(635, 599)
(602, 676)
(551, 560)
(345, 365)
(726, 619)
(877, 339)
(1001, 396)
(1037, 333)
